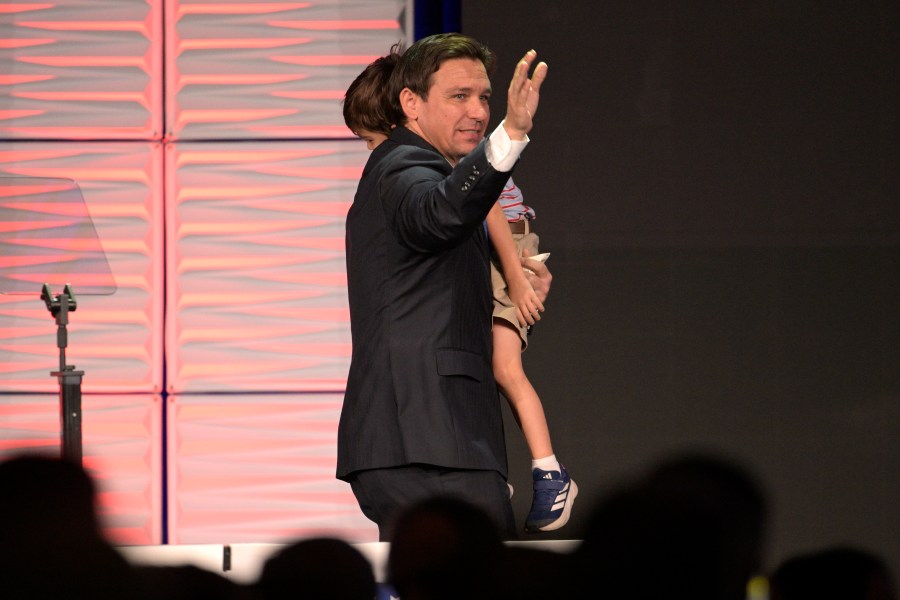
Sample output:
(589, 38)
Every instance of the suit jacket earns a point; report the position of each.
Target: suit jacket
(421, 387)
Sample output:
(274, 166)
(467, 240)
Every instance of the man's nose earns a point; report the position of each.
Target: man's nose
(479, 110)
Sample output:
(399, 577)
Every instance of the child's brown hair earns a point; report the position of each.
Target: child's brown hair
(366, 104)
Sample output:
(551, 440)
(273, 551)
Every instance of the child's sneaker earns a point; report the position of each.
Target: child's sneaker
(554, 494)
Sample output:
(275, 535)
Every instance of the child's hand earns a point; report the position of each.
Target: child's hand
(538, 275)
(528, 305)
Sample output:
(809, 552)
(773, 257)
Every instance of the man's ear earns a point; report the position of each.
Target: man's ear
(409, 102)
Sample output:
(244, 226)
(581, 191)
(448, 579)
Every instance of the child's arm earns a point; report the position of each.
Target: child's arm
(520, 291)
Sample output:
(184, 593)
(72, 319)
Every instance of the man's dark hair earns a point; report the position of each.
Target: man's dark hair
(421, 60)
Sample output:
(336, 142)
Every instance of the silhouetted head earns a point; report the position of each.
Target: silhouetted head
(43, 494)
(691, 528)
(444, 547)
(840, 572)
(325, 568)
(53, 546)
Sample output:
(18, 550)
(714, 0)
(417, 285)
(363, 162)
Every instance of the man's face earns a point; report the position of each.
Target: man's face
(454, 117)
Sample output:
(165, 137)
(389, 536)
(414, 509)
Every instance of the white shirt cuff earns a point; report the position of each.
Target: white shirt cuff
(503, 152)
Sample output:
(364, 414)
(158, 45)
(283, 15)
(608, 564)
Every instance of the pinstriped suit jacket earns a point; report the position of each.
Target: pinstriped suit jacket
(421, 388)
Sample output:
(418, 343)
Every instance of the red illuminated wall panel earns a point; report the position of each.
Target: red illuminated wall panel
(276, 69)
(257, 468)
(81, 69)
(257, 288)
(227, 141)
(117, 339)
(122, 449)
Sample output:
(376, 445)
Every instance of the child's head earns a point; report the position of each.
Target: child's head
(371, 138)
(368, 111)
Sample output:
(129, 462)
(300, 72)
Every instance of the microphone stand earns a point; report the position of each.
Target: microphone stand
(69, 379)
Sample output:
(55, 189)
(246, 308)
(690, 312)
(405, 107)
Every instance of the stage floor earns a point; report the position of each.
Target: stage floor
(243, 562)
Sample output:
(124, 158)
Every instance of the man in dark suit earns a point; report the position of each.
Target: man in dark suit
(421, 414)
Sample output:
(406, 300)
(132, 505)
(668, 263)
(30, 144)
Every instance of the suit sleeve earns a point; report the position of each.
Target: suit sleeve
(430, 206)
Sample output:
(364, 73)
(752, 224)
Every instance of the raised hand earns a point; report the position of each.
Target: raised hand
(523, 96)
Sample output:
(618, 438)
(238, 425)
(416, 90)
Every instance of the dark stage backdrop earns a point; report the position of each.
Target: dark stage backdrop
(717, 184)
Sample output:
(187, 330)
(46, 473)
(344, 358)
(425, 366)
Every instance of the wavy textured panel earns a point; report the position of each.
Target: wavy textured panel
(117, 339)
(81, 69)
(266, 70)
(260, 468)
(253, 263)
(122, 443)
(256, 281)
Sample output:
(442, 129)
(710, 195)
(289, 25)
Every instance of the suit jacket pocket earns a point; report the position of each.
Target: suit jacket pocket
(451, 362)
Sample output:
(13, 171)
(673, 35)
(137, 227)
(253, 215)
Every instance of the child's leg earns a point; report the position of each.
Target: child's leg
(523, 399)
(554, 491)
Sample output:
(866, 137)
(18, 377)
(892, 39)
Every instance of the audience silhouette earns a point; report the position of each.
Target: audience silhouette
(443, 547)
(188, 582)
(52, 545)
(692, 526)
(535, 573)
(323, 568)
(833, 573)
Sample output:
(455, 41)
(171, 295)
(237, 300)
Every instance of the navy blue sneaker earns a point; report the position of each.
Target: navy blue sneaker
(554, 494)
